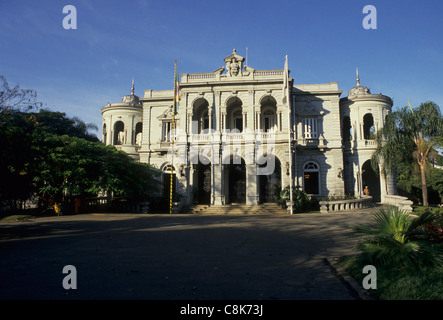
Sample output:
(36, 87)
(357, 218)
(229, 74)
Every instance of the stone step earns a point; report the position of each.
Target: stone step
(265, 208)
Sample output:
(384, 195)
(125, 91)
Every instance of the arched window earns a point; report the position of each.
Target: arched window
(200, 116)
(138, 133)
(237, 121)
(311, 178)
(234, 116)
(368, 127)
(119, 133)
(269, 121)
(204, 122)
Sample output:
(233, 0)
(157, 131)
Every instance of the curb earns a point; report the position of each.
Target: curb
(350, 282)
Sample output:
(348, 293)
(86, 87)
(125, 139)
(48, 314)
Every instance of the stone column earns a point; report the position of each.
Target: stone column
(223, 119)
(259, 120)
(190, 188)
(217, 184)
(251, 184)
(217, 111)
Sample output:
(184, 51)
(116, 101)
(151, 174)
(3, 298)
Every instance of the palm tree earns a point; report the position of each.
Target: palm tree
(397, 239)
(409, 134)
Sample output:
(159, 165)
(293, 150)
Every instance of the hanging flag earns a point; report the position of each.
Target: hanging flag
(286, 83)
(176, 88)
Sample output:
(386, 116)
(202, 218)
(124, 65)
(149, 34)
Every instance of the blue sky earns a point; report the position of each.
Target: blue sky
(79, 71)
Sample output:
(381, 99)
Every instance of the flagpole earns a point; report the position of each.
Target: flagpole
(288, 103)
(173, 137)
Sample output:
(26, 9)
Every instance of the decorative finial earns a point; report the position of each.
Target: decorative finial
(132, 88)
(358, 79)
(234, 51)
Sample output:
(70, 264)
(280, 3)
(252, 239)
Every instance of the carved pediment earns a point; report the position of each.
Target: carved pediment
(234, 64)
(167, 114)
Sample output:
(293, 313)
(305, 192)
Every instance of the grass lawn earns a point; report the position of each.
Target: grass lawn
(403, 283)
(398, 284)
(16, 217)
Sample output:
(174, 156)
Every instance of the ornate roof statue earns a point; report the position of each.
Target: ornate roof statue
(234, 64)
(358, 90)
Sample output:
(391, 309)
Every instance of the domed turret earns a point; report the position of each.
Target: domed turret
(358, 90)
(122, 123)
(132, 99)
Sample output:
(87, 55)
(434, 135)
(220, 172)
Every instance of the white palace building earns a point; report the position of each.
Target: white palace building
(236, 131)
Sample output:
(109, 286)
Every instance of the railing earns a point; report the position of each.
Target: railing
(402, 203)
(165, 144)
(233, 137)
(211, 76)
(268, 73)
(308, 142)
(343, 205)
(201, 76)
(370, 143)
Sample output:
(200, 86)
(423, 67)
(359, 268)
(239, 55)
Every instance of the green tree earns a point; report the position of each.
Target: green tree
(74, 166)
(49, 154)
(58, 123)
(15, 157)
(407, 135)
(15, 142)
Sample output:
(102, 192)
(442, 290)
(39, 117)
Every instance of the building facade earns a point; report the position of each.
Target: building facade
(242, 134)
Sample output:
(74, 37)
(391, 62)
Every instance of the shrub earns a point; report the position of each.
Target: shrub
(434, 229)
(398, 240)
(300, 200)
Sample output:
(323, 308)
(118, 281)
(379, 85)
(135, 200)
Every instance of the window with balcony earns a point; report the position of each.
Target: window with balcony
(237, 121)
(166, 131)
(269, 121)
(310, 130)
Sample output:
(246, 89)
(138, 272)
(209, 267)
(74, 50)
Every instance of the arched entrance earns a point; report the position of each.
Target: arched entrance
(270, 184)
(235, 174)
(371, 179)
(202, 193)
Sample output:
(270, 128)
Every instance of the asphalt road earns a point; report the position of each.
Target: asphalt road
(177, 257)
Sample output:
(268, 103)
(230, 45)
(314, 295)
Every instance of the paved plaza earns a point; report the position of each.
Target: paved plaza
(178, 257)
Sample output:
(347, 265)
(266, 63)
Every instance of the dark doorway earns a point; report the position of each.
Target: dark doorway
(270, 184)
(371, 179)
(311, 176)
(204, 183)
(311, 182)
(237, 182)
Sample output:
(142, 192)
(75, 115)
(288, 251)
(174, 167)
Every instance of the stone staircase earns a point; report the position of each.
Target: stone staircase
(264, 208)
